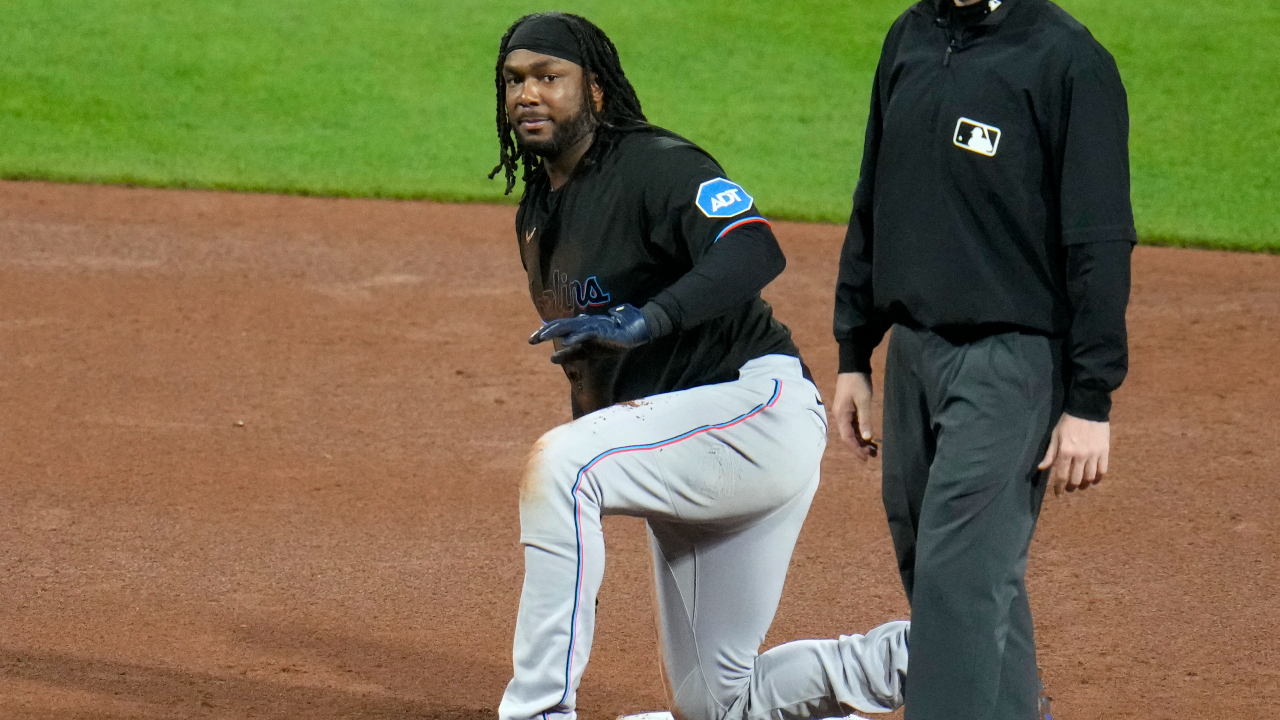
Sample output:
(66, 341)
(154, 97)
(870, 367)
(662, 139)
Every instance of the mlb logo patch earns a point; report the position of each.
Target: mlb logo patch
(721, 198)
(976, 137)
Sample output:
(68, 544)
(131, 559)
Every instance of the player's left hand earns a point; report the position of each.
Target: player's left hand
(621, 328)
(1078, 453)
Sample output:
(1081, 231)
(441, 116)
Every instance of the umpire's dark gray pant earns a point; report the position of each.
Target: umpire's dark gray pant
(965, 425)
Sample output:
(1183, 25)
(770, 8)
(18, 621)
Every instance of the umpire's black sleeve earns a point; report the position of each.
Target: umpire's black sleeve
(859, 328)
(1098, 290)
(1097, 230)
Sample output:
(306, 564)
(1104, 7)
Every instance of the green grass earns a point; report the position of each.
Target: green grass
(393, 98)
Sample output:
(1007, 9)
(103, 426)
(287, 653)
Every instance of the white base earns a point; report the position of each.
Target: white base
(668, 716)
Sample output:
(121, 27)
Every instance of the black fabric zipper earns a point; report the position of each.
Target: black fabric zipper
(944, 25)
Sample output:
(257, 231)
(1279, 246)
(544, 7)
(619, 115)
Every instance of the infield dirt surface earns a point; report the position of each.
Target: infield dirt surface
(259, 458)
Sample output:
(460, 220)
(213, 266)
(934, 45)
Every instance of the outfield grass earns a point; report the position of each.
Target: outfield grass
(394, 98)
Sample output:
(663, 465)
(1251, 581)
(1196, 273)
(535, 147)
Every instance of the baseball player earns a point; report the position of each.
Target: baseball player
(992, 228)
(691, 406)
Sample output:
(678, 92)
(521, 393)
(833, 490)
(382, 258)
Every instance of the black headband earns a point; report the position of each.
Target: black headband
(547, 35)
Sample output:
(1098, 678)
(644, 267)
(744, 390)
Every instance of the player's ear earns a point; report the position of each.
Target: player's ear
(597, 94)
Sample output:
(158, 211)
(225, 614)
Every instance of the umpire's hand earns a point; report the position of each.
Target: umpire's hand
(852, 409)
(1078, 453)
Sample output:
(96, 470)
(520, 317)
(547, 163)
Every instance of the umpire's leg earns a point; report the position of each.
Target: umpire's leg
(977, 415)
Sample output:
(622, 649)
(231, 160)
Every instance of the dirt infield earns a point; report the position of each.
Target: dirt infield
(260, 454)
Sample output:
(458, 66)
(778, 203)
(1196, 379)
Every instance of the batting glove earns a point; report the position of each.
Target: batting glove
(622, 328)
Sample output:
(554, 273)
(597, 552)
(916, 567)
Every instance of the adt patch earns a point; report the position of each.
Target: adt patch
(721, 198)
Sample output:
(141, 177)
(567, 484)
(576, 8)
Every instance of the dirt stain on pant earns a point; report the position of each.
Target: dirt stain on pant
(534, 478)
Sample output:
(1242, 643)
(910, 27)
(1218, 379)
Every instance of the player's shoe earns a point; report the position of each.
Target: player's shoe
(1043, 700)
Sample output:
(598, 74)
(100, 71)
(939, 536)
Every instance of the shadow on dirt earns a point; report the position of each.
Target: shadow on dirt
(122, 687)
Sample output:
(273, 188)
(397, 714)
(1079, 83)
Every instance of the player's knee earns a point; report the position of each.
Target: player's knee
(546, 489)
(548, 474)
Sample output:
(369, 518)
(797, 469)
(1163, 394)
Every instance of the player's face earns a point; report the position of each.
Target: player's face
(546, 102)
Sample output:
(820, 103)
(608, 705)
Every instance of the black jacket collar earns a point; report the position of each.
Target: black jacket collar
(936, 9)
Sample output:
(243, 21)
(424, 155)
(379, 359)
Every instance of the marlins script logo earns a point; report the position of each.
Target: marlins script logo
(977, 137)
(566, 297)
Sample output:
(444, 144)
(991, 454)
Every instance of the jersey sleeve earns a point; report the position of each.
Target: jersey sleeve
(1094, 151)
(857, 324)
(1097, 228)
(709, 224)
(1098, 278)
(690, 203)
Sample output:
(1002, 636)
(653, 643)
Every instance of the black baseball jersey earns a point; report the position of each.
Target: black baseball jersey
(650, 219)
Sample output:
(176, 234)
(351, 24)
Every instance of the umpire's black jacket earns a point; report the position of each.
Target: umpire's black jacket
(994, 191)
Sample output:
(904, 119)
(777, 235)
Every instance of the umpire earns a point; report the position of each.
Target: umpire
(992, 229)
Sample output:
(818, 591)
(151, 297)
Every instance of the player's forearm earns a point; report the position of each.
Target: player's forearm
(731, 273)
(1098, 290)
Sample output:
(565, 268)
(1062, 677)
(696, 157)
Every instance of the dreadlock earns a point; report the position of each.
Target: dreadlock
(621, 111)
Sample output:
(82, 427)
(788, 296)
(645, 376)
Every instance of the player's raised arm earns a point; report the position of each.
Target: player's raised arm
(711, 225)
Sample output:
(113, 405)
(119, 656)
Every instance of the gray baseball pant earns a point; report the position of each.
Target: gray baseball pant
(724, 475)
(965, 424)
